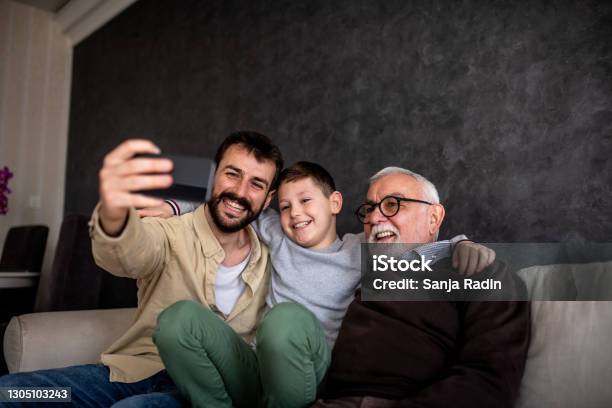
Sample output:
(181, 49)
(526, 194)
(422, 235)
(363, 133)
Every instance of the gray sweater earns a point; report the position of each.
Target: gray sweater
(322, 280)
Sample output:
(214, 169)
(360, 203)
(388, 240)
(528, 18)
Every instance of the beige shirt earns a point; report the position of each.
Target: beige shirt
(172, 259)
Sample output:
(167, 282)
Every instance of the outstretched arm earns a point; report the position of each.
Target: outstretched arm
(121, 178)
(470, 258)
(121, 243)
(170, 207)
(268, 226)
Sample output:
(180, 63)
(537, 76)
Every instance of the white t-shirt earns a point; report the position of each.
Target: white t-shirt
(229, 285)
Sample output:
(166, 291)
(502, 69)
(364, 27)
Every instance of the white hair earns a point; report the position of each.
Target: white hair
(429, 190)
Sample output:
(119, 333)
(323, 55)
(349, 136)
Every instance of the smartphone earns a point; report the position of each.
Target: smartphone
(193, 178)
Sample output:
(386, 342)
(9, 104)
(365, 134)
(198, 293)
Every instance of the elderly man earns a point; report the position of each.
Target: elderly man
(417, 354)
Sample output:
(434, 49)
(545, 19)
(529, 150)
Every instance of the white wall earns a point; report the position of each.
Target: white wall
(35, 76)
(35, 73)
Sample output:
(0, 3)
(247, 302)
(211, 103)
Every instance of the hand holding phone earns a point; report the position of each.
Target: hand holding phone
(192, 175)
(123, 176)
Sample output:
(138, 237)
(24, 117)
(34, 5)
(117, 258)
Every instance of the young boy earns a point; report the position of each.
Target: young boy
(314, 278)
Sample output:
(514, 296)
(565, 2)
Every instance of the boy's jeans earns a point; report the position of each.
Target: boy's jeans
(214, 367)
(90, 387)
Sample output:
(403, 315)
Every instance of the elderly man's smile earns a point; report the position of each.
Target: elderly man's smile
(383, 234)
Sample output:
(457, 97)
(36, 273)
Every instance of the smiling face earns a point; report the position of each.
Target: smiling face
(308, 216)
(241, 189)
(413, 223)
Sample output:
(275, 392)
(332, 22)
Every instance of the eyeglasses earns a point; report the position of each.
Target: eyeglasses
(388, 206)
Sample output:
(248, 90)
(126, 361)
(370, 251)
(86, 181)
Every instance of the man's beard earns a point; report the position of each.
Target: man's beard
(215, 212)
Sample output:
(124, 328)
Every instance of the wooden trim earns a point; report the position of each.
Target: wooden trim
(80, 18)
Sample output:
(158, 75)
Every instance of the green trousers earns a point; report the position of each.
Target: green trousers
(213, 367)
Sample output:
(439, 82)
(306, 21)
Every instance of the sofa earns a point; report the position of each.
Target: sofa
(568, 365)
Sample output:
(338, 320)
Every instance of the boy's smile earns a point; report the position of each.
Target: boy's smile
(301, 224)
(307, 215)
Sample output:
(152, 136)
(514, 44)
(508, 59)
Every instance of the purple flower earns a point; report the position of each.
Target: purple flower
(5, 175)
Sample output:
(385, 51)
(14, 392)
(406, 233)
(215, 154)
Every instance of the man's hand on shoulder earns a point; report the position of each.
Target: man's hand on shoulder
(162, 211)
(122, 175)
(470, 258)
(170, 208)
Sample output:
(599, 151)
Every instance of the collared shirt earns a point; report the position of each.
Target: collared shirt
(435, 251)
(172, 259)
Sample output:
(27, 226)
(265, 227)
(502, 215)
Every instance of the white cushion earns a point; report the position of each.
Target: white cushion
(569, 363)
(59, 339)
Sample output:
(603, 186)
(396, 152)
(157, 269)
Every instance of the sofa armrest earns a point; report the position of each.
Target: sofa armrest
(59, 339)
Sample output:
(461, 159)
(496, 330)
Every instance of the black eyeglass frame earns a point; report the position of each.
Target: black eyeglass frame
(378, 204)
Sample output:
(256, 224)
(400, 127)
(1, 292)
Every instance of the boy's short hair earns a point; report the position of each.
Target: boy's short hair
(316, 172)
(257, 144)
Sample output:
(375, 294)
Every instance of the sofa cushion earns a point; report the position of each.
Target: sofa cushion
(59, 339)
(569, 363)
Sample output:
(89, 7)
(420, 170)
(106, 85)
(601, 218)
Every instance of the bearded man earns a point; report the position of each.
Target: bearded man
(175, 259)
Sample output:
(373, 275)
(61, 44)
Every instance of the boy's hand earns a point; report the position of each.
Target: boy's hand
(470, 258)
(163, 211)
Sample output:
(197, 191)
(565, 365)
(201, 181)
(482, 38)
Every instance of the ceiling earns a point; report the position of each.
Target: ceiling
(47, 5)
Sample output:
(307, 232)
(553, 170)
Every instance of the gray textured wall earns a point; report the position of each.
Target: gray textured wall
(505, 106)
